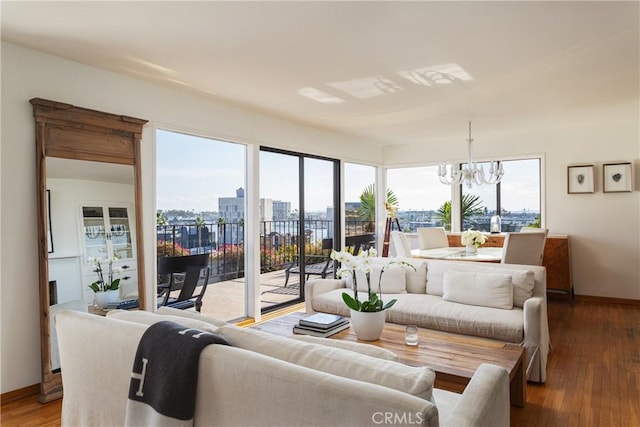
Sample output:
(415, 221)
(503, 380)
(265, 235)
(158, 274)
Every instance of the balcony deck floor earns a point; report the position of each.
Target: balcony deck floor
(225, 300)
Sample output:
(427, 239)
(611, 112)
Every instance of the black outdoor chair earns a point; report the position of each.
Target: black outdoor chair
(321, 269)
(191, 268)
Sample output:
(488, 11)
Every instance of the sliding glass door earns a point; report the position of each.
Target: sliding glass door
(299, 222)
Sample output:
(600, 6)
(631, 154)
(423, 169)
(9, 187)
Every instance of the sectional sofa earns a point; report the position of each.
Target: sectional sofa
(266, 380)
(506, 302)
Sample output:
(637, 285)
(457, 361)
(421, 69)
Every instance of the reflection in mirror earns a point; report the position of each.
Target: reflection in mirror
(91, 214)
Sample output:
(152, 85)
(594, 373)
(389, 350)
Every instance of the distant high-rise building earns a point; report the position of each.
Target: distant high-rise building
(281, 210)
(232, 208)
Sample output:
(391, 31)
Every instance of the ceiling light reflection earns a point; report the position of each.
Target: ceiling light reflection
(436, 75)
(367, 87)
(319, 96)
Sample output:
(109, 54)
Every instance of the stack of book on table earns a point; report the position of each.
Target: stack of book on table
(321, 325)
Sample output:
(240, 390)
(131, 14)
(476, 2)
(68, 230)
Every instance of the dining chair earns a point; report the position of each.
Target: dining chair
(401, 244)
(524, 247)
(190, 267)
(432, 237)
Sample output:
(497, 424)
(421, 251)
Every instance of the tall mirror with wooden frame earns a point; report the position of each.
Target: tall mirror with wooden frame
(89, 205)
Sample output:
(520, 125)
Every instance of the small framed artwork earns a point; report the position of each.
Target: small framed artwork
(617, 177)
(580, 179)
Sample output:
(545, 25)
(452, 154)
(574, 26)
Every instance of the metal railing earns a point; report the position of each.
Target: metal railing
(279, 243)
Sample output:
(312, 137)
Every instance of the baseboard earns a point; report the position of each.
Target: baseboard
(607, 300)
(10, 396)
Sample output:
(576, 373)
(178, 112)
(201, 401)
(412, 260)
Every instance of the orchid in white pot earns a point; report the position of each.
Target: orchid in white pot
(349, 264)
(105, 288)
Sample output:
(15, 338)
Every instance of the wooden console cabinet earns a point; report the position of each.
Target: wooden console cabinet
(557, 260)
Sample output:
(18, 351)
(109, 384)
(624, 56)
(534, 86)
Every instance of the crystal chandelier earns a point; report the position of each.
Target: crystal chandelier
(470, 173)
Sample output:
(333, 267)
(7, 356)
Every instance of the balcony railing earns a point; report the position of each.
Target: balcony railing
(279, 242)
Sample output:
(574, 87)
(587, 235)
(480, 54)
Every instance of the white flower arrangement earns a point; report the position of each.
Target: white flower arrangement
(348, 266)
(101, 285)
(473, 238)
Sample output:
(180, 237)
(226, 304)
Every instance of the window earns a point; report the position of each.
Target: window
(516, 198)
(359, 205)
(423, 200)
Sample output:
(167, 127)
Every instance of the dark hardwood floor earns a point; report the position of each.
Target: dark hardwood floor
(593, 373)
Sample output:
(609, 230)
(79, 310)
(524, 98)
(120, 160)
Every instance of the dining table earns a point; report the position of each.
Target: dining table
(455, 253)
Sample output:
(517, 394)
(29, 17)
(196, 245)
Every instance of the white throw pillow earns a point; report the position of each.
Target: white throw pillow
(417, 381)
(393, 280)
(481, 289)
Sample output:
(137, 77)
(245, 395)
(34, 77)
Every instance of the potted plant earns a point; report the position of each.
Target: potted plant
(367, 316)
(472, 240)
(106, 291)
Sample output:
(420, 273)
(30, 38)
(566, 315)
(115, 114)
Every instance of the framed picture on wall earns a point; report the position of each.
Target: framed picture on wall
(580, 179)
(617, 177)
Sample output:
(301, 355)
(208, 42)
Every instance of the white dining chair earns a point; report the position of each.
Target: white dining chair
(432, 237)
(525, 247)
(401, 244)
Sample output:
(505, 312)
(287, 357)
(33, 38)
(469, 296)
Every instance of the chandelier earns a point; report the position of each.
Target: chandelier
(470, 173)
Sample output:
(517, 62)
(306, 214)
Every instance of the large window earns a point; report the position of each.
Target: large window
(423, 200)
(200, 209)
(516, 198)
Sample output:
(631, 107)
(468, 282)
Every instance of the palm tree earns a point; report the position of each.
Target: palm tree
(367, 209)
(471, 206)
(200, 224)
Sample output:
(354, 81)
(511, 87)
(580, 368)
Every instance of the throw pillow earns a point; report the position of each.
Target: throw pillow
(417, 381)
(481, 289)
(393, 280)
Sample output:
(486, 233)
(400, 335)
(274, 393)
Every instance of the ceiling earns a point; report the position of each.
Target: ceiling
(386, 72)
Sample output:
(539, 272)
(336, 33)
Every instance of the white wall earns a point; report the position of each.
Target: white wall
(604, 228)
(28, 74)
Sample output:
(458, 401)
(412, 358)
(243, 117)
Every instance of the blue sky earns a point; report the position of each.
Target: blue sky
(193, 172)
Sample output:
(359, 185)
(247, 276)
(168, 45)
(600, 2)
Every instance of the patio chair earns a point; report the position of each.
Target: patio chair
(190, 267)
(525, 247)
(432, 237)
(322, 269)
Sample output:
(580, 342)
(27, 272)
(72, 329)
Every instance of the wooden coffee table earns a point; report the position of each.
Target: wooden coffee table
(454, 358)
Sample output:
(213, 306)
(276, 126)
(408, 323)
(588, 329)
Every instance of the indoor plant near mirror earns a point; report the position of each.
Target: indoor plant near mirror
(367, 316)
(472, 240)
(106, 291)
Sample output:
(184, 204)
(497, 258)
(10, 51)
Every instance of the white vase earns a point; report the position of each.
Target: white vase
(472, 249)
(104, 298)
(368, 326)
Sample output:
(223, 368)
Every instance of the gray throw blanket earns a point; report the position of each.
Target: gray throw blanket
(163, 384)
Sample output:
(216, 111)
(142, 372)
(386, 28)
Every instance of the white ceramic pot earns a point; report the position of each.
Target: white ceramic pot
(104, 298)
(368, 326)
(472, 249)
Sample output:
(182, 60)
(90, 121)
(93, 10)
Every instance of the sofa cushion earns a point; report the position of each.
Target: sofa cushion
(392, 281)
(483, 289)
(523, 280)
(148, 318)
(432, 312)
(369, 350)
(417, 381)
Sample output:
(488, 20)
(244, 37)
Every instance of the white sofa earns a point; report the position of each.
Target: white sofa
(265, 380)
(506, 302)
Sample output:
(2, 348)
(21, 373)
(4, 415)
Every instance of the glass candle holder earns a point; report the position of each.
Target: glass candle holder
(411, 336)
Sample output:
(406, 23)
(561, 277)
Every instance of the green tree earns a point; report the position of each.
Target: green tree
(200, 224)
(535, 223)
(471, 206)
(161, 220)
(367, 209)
